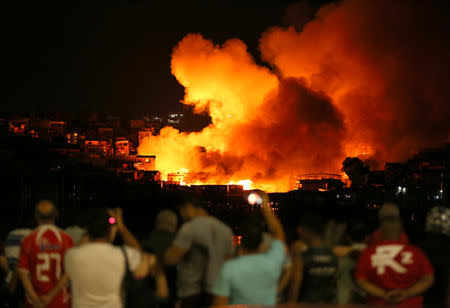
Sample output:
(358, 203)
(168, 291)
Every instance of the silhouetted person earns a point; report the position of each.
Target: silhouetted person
(436, 247)
(391, 272)
(77, 230)
(387, 210)
(97, 269)
(200, 248)
(347, 290)
(252, 278)
(41, 259)
(315, 269)
(13, 241)
(159, 241)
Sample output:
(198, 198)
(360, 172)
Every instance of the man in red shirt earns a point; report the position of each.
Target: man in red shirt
(41, 258)
(393, 273)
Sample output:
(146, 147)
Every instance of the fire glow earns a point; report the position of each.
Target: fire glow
(328, 94)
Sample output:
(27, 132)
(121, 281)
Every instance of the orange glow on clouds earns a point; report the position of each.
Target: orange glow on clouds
(347, 85)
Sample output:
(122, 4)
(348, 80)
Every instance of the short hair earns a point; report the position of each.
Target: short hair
(252, 233)
(98, 225)
(166, 219)
(46, 216)
(389, 212)
(313, 222)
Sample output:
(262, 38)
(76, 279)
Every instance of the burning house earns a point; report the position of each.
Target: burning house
(145, 133)
(177, 178)
(319, 181)
(219, 189)
(305, 111)
(145, 162)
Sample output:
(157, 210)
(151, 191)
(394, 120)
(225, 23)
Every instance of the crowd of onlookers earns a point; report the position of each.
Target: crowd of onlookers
(195, 264)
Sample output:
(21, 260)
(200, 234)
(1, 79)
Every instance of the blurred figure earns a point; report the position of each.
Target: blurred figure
(315, 269)
(376, 237)
(97, 269)
(201, 246)
(286, 274)
(13, 241)
(4, 270)
(77, 231)
(252, 278)
(162, 236)
(160, 240)
(347, 290)
(394, 273)
(41, 259)
(436, 247)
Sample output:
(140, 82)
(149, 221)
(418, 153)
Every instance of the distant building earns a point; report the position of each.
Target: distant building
(106, 133)
(122, 147)
(47, 129)
(136, 124)
(431, 171)
(145, 162)
(219, 189)
(74, 137)
(100, 147)
(19, 126)
(176, 178)
(319, 181)
(57, 128)
(145, 133)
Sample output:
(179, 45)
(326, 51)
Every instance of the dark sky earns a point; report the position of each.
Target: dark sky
(114, 56)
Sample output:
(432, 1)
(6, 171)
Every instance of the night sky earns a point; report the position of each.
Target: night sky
(115, 58)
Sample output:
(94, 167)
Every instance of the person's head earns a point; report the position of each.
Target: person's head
(311, 227)
(438, 221)
(190, 206)
(99, 226)
(166, 220)
(251, 230)
(357, 231)
(45, 212)
(390, 222)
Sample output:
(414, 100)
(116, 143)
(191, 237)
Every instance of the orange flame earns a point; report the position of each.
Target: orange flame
(344, 86)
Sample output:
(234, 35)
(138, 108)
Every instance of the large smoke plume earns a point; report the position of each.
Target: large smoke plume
(361, 74)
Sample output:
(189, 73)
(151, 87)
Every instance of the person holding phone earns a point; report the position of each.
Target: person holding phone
(252, 278)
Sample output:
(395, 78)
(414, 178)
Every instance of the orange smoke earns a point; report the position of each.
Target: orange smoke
(355, 80)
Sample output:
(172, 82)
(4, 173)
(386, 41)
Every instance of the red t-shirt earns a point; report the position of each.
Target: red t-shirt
(42, 255)
(376, 239)
(393, 265)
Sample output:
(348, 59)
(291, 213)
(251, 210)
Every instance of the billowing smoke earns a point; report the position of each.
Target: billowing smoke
(361, 75)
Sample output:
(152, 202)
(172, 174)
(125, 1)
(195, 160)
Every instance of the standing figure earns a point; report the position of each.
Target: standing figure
(201, 246)
(391, 272)
(41, 259)
(314, 269)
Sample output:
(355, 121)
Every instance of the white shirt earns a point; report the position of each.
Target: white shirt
(96, 272)
(76, 233)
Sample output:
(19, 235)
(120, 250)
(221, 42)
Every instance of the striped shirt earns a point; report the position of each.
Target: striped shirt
(12, 245)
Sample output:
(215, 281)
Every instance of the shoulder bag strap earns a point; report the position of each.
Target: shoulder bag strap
(127, 266)
(125, 280)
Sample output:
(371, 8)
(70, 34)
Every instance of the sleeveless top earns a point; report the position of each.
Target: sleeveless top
(320, 266)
